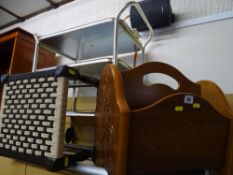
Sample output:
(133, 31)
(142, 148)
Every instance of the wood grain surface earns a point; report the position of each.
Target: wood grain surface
(112, 115)
(165, 132)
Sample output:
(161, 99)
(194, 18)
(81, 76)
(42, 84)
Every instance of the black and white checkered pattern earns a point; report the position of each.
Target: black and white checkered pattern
(28, 115)
(32, 118)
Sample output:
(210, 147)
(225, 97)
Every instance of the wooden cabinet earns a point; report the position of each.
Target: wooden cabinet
(16, 53)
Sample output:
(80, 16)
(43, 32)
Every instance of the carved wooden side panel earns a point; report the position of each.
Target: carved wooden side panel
(111, 123)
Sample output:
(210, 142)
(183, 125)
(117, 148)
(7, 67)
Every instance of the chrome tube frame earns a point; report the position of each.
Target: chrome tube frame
(85, 170)
(80, 114)
(36, 52)
(116, 27)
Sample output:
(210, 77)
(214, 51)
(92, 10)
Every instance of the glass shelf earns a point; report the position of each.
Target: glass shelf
(106, 38)
(92, 40)
(86, 168)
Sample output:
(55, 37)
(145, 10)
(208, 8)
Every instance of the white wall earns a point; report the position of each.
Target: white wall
(200, 52)
(81, 12)
(190, 9)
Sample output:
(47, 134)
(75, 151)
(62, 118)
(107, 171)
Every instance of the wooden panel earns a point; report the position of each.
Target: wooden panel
(229, 98)
(162, 139)
(139, 94)
(214, 95)
(23, 57)
(112, 115)
(169, 134)
(6, 50)
(22, 52)
(229, 166)
(6, 37)
(15, 33)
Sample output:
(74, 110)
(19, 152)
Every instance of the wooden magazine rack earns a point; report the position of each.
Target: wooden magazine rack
(144, 130)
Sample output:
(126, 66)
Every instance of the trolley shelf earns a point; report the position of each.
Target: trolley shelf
(92, 40)
(85, 169)
(81, 114)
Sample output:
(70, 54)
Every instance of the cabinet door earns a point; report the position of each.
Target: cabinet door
(6, 50)
(22, 57)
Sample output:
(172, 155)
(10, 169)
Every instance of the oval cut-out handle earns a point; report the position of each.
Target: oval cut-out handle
(160, 78)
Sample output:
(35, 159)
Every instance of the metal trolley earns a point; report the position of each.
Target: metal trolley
(91, 46)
